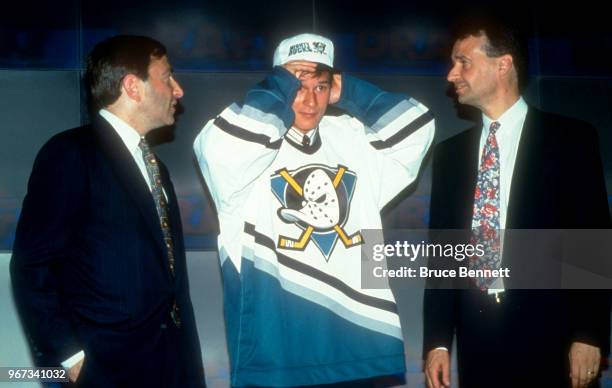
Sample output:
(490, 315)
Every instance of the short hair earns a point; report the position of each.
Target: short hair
(502, 39)
(321, 68)
(114, 58)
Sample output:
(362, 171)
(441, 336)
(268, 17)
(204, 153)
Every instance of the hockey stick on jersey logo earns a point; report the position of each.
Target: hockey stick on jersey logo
(322, 206)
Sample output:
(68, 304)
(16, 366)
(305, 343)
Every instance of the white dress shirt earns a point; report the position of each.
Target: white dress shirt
(297, 136)
(508, 136)
(130, 138)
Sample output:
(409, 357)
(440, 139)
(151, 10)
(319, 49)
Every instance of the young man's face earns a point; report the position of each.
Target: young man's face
(311, 100)
(473, 73)
(162, 93)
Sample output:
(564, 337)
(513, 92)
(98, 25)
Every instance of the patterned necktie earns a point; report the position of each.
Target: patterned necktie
(485, 219)
(160, 199)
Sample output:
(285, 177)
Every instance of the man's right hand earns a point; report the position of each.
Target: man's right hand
(300, 68)
(437, 363)
(75, 371)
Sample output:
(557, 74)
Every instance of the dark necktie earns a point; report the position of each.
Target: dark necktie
(305, 141)
(162, 212)
(486, 217)
(158, 196)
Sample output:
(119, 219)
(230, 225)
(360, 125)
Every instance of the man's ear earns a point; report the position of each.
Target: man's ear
(505, 64)
(132, 86)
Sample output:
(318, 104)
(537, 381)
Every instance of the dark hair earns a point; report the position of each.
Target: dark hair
(321, 68)
(114, 58)
(502, 39)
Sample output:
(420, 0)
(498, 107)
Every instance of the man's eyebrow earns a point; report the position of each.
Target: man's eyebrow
(460, 57)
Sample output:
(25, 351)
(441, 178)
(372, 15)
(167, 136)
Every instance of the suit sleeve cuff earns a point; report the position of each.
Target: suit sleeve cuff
(72, 361)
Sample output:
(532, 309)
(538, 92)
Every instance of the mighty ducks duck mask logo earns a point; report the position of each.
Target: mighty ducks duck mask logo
(317, 199)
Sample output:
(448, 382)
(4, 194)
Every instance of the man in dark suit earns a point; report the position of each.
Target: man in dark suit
(98, 267)
(541, 171)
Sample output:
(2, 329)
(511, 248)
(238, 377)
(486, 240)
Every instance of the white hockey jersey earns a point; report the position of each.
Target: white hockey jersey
(290, 218)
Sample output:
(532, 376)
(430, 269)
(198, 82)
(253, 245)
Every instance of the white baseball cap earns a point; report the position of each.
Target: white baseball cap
(305, 47)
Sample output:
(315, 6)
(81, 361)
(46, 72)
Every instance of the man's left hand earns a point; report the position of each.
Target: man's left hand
(584, 364)
(336, 88)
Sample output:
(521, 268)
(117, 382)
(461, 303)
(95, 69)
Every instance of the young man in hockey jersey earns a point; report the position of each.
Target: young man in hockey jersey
(293, 189)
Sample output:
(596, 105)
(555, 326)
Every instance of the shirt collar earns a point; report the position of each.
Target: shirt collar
(128, 135)
(510, 118)
(297, 136)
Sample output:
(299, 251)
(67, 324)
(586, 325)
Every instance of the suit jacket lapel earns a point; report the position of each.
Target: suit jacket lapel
(468, 157)
(130, 177)
(526, 159)
(176, 229)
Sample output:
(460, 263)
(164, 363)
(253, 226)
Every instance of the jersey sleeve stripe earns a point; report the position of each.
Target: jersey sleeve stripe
(245, 135)
(408, 130)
